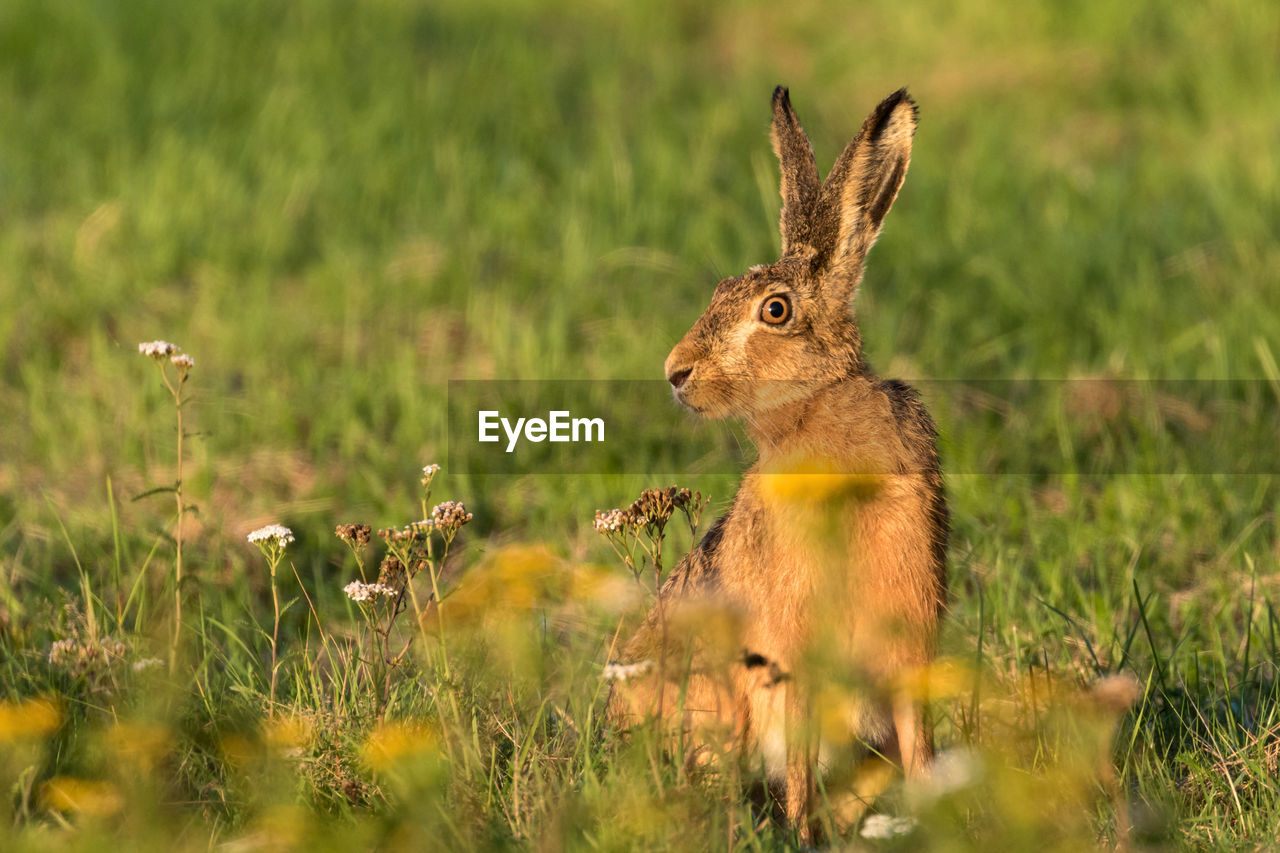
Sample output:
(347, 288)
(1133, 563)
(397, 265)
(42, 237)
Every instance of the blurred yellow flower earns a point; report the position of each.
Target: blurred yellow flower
(389, 743)
(602, 585)
(67, 794)
(282, 828)
(512, 578)
(942, 679)
(138, 743)
(239, 750)
(287, 735)
(806, 480)
(28, 719)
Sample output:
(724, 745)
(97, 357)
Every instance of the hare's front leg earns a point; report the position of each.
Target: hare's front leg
(915, 740)
(802, 756)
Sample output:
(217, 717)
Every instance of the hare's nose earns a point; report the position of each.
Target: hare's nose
(678, 377)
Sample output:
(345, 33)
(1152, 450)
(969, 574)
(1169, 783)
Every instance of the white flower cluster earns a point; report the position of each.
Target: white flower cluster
(63, 651)
(80, 656)
(146, 663)
(358, 591)
(885, 826)
(613, 520)
(158, 349)
(430, 471)
(183, 361)
(273, 534)
(952, 770)
(625, 671)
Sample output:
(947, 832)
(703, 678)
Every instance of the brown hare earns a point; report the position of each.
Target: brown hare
(850, 552)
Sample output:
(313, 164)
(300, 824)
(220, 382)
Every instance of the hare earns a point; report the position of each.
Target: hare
(838, 533)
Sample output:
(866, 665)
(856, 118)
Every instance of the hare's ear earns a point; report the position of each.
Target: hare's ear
(865, 181)
(800, 183)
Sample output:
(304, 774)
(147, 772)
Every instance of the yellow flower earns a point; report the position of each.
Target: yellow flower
(287, 735)
(28, 719)
(512, 578)
(239, 750)
(389, 743)
(67, 794)
(807, 480)
(138, 743)
(942, 679)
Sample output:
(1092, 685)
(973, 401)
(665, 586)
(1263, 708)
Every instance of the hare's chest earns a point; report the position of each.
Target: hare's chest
(777, 574)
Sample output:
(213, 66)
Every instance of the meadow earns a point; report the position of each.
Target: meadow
(336, 208)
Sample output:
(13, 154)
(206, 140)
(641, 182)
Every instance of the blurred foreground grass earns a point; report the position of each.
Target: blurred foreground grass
(336, 208)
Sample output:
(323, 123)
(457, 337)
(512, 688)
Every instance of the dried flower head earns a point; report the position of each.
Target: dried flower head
(409, 533)
(183, 362)
(450, 515)
(158, 349)
(359, 591)
(653, 508)
(276, 535)
(353, 534)
(626, 671)
(391, 572)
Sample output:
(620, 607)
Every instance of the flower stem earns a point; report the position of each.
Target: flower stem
(275, 633)
(177, 564)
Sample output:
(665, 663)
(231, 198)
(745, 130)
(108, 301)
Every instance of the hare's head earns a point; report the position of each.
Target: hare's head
(777, 334)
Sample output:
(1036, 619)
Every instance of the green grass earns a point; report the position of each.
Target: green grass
(337, 208)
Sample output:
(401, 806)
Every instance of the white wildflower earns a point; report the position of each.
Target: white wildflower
(883, 826)
(147, 663)
(429, 471)
(63, 651)
(625, 671)
(359, 591)
(183, 361)
(952, 770)
(273, 534)
(158, 349)
(608, 522)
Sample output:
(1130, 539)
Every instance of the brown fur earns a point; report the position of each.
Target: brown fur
(860, 572)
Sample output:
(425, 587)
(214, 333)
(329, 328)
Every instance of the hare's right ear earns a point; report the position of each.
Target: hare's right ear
(800, 183)
(865, 181)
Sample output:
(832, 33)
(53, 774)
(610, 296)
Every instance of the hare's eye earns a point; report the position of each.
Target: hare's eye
(776, 310)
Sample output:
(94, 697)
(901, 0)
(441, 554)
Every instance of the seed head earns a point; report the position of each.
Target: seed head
(449, 516)
(402, 534)
(391, 572)
(353, 534)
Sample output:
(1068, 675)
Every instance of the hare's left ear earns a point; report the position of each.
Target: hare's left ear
(865, 181)
(800, 184)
